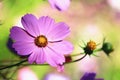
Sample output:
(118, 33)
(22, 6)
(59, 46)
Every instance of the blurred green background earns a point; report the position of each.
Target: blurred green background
(88, 20)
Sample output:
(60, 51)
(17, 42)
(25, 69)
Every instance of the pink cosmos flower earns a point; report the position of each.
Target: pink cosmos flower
(60, 5)
(42, 40)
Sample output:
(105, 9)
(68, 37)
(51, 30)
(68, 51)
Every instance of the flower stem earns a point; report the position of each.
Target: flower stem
(76, 54)
(77, 59)
(17, 64)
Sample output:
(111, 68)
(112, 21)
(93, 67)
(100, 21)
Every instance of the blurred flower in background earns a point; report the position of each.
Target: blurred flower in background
(89, 76)
(55, 76)
(60, 5)
(88, 64)
(115, 4)
(26, 73)
(94, 31)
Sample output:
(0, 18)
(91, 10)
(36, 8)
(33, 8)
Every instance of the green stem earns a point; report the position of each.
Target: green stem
(77, 59)
(17, 64)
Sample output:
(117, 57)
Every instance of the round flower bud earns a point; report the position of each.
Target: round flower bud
(107, 48)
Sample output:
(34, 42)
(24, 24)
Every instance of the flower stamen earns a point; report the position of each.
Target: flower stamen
(91, 45)
(41, 41)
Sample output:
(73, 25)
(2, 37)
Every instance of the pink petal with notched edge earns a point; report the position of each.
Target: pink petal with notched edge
(58, 32)
(60, 68)
(37, 56)
(60, 5)
(18, 34)
(53, 58)
(46, 24)
(31, 24)
(63, 47)
(32, 58)
(24, 48)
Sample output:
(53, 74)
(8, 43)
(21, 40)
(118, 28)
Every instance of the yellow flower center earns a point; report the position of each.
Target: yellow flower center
(91, 45)
(41, 41)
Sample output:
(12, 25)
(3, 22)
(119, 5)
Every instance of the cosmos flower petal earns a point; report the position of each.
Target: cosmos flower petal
(46, 23)
(60, 68)
(53, 58)
(60, 5)
(32, 58)
(58, 32)
(31, 24)
(64, 47)
(24, 48)
(41, 57)
(37, 56)
(16, 33)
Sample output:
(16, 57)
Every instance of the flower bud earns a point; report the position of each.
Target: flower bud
(107, 48)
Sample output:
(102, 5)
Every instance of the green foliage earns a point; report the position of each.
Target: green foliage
(17, 7)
